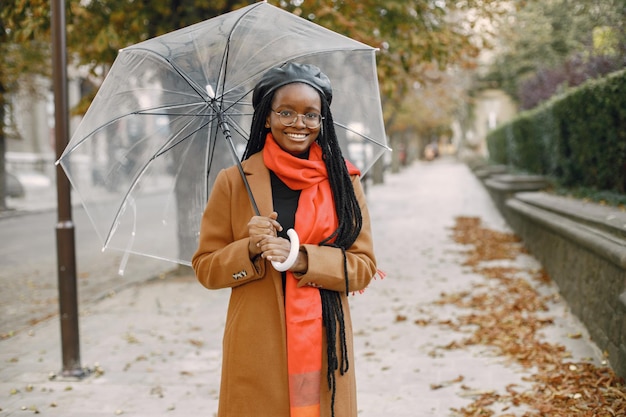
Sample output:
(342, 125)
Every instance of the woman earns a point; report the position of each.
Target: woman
(287, 348)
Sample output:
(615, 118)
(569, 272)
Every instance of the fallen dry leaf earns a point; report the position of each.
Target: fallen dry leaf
(400, 318)
(444, 384)
(505, 317)
(196, 342)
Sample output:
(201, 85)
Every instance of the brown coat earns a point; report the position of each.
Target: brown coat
(254, 364)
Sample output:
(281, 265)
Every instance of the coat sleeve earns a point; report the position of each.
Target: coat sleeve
(222, 259)
(326, 267)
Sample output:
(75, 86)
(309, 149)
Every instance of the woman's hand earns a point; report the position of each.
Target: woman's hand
(264, 242)
(276, 249)
(260, 228)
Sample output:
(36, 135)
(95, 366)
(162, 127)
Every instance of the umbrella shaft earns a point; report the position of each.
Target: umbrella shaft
(228, 137)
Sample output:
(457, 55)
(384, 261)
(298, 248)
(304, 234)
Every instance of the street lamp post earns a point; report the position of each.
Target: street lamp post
(66, 257)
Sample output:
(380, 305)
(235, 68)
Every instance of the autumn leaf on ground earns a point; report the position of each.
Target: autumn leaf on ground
(444, 384)
(505, 317)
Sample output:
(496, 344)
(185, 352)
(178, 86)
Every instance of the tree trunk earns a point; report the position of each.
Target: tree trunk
(3, 176)
(378, 171)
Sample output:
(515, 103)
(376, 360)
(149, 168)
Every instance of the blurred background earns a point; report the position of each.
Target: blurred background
(449, 72)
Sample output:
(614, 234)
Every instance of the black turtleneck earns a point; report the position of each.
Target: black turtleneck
(285, 202)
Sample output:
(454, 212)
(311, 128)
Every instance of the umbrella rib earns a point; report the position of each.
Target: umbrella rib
(224, 65)
(169, 145)
(201, 93)
(151, 113)
(140, 173)
(150, 110)
(239, 130)
(189, 81)
(291, 59)
(110, 122)
(101, 127)
(369, 139)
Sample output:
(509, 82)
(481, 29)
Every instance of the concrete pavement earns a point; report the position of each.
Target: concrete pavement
(156, 347)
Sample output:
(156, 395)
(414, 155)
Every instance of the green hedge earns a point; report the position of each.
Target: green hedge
(578, 139)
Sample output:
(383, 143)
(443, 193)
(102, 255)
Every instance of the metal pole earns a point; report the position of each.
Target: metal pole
(66, 258)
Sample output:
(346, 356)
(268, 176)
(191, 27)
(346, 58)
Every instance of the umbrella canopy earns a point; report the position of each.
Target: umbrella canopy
(145, 155)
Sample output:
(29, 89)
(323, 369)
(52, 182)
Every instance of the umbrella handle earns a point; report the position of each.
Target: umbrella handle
(293, 253)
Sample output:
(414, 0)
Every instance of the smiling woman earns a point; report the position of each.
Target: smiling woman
(288, 339)
(295, 124)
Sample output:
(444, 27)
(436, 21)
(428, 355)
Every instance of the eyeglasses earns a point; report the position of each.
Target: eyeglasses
(290, 118)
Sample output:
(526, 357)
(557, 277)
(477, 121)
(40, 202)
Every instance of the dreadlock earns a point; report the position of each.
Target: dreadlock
(349, 226)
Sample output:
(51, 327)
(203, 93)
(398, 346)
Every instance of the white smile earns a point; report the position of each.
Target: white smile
(297, 136)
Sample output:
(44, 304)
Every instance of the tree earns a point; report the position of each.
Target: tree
(110, 25)
(96, 31)
(25, 50)
(416, 38)
(550, 44)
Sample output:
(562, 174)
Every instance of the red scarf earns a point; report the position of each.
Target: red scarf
(315, 220)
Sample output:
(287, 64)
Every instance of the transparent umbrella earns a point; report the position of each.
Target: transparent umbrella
(176, 109)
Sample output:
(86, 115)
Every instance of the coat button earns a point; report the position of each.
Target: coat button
(239, 275)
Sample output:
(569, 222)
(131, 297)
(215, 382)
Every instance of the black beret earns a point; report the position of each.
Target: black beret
(290, 73)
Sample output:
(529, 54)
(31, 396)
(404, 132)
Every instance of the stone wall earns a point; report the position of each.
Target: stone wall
(581, 245)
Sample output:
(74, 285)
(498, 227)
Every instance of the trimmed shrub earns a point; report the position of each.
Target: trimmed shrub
(578, 139)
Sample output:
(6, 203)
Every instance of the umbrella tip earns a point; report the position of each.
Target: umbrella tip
(210, 91)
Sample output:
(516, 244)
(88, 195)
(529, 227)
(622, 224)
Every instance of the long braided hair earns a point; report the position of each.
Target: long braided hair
(349, 226)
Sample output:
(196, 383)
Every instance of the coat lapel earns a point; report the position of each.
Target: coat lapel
(259, 179)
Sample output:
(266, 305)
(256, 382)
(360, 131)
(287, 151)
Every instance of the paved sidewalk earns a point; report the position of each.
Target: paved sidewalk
(40, 194)
(156, 347)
